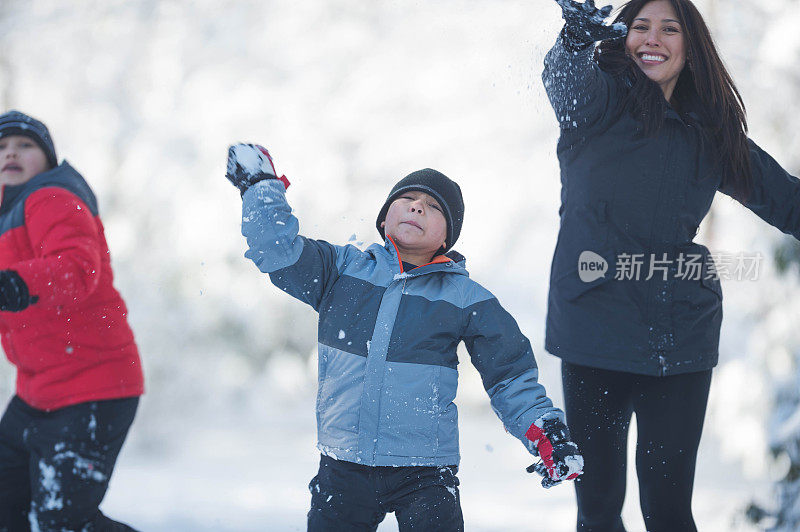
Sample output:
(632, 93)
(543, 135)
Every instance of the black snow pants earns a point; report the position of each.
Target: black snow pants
(669, 416)
(55, 466)
(349, 497)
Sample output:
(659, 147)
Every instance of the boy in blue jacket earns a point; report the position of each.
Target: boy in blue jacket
(390, 319)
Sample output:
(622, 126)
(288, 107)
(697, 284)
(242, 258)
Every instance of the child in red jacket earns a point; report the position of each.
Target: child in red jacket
(64, 326)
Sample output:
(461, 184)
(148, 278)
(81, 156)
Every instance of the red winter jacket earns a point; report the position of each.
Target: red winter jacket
(73, 344)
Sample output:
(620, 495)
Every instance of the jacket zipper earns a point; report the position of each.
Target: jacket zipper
(654, 302)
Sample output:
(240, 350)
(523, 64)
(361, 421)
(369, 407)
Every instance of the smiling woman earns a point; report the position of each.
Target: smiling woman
(656, 43)
(652, 126)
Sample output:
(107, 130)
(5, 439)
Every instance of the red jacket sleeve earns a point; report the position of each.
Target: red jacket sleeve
(66, 246)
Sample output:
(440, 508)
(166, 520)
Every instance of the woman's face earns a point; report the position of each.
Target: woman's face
(656, 43)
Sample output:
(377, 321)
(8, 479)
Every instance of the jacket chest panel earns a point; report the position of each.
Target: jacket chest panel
(426, 332)
(415, 319)
(647, 191)
(348, 315)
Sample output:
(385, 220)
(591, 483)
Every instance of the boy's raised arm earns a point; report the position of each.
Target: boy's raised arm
(300, 266)
(504, 359)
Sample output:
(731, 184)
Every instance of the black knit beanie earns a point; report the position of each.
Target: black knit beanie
(443, 189)
(16, 123)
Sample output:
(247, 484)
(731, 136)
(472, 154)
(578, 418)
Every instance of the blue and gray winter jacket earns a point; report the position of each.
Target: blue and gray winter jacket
(626, 198)
(388, 338)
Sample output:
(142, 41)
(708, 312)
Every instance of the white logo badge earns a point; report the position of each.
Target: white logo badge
(591, 266)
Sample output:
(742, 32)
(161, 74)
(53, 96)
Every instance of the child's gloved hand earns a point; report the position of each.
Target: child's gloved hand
(585, 24)
(14, 294)
(248, 164)
(561, 459)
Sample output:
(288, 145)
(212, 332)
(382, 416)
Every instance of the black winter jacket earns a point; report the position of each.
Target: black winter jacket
(628, 199)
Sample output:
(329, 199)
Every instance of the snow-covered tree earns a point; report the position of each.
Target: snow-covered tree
(760, 389)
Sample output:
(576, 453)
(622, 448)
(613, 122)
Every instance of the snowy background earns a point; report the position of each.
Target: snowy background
(143, 97)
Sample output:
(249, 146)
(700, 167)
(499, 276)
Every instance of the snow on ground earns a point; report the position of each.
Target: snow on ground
(248, 469)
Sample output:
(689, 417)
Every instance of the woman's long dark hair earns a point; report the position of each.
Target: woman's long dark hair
(704, 80)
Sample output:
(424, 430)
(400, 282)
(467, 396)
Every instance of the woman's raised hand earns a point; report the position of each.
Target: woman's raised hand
(585, 24)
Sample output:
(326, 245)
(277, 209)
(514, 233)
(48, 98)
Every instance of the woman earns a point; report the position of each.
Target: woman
(64, 326)
(651, 127)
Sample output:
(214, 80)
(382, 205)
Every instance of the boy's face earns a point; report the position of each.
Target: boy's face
(416, 223)
(20, 160)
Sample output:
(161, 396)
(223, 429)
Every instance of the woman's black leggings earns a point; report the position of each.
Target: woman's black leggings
(669, 416)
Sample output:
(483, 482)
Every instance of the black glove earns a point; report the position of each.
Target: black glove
(561, 459)
(248, 164)
(14, 294)
(585, 24)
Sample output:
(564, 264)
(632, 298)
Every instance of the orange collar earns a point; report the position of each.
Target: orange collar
(438, 259)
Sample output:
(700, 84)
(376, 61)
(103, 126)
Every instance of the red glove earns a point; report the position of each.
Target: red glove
(561, 459)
